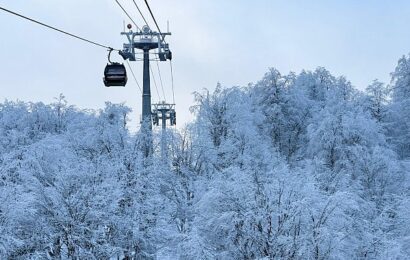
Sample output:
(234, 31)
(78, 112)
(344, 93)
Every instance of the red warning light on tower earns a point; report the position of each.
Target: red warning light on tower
(129, 26)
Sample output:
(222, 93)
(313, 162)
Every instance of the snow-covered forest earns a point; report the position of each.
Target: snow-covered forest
(296, 166)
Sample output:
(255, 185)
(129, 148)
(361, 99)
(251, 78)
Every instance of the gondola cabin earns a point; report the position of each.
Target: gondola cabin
(115, 75)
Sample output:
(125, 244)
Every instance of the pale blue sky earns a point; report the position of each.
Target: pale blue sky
(233, 42)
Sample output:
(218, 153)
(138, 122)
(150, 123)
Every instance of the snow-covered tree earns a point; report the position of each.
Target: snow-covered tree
(399, 121)
(378, 98)
(296, 166)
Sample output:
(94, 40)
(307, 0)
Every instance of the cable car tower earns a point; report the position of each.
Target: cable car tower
(163, 111)
(147, 40)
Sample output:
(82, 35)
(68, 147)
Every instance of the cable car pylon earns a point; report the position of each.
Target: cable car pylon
(163, 111)
(146, 40)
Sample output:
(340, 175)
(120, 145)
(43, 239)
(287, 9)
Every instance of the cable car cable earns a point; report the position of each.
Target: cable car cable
(56, 29)
(160, 79)
(133, 75)
(155, 21)
(172, 81)
(132, 20)
(146, 23)
(155, 83)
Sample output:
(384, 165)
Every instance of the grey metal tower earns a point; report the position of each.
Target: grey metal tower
(146, 40)
(163, 111)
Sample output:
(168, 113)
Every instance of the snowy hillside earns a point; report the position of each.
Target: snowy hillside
(297, 166)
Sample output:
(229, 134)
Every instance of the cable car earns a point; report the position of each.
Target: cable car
(115, 75)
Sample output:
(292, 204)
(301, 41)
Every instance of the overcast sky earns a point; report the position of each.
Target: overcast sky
(233, 42)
